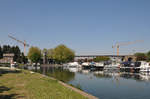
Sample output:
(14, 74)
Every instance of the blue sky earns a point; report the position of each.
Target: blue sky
(86, 26)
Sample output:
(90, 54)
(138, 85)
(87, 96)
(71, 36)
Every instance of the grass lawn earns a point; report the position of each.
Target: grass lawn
(24, 85)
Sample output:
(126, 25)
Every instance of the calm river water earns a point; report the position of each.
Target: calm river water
(105, 85)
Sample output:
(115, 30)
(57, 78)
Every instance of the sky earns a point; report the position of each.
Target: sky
(89, 27)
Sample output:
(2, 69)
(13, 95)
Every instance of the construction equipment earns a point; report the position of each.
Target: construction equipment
(117, 45)
(22, 42)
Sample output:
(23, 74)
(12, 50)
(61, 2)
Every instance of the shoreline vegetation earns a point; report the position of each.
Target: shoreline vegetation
(23, 84)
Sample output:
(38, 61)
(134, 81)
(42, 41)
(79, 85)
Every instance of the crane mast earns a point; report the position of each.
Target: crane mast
(22, 42)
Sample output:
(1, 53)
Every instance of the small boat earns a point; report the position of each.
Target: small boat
(130, 67)
(73, 64)
(113, 65)
(86, 65)
(100, 65)
(145, 66)
(92, 64)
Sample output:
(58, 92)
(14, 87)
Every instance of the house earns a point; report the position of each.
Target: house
(7, 58)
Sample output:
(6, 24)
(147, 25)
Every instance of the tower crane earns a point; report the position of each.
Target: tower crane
(117, 45)
(22, 42)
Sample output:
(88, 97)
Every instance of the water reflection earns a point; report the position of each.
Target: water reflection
(145, 76)
(110, 84)
(112, 74)
(102, 75)
(58, 73)
(68, 74)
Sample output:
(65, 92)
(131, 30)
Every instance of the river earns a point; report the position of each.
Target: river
(105, 84)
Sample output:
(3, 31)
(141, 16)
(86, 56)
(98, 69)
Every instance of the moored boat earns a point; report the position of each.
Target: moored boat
(100, 65)
(130, 67)
(86, 65)
(112, 66)
(144, 67)
(73, 64)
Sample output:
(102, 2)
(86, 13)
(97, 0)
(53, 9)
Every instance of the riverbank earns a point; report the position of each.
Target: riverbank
(21, 84)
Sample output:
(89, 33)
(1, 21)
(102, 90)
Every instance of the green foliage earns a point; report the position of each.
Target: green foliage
(1, 53)
(34, 54)
(17, 53)
(148, 56)
(140, 56)
(15, 50)
(49, 53)
(62, 54)
(24, 59)
(44, 51)
(101, 58)
(7, 49)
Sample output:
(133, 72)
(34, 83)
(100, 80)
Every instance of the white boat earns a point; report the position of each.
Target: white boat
(86, 65)
(73, 64)
(112, 66)
(100, 64)
(145, 66)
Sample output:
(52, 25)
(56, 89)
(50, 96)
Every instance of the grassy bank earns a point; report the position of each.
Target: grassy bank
(25, 85)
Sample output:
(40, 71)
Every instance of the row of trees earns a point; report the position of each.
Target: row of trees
(101, 58)
(142, 56)
(61, 54)
(18, 55)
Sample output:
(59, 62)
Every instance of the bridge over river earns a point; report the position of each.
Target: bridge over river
(112, 57)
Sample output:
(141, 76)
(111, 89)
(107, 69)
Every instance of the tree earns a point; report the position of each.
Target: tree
(140, 56)
(101, 58)
(6, 49)
(1, 53)
(62, 54)
(49, 53)
(12, 49)
(34, 54)
(44, 50)
(148, 56)
(17, 53)
(24, 59)
(18, 56)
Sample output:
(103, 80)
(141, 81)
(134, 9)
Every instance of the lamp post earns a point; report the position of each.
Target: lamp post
(45, 57)
(44, 61)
